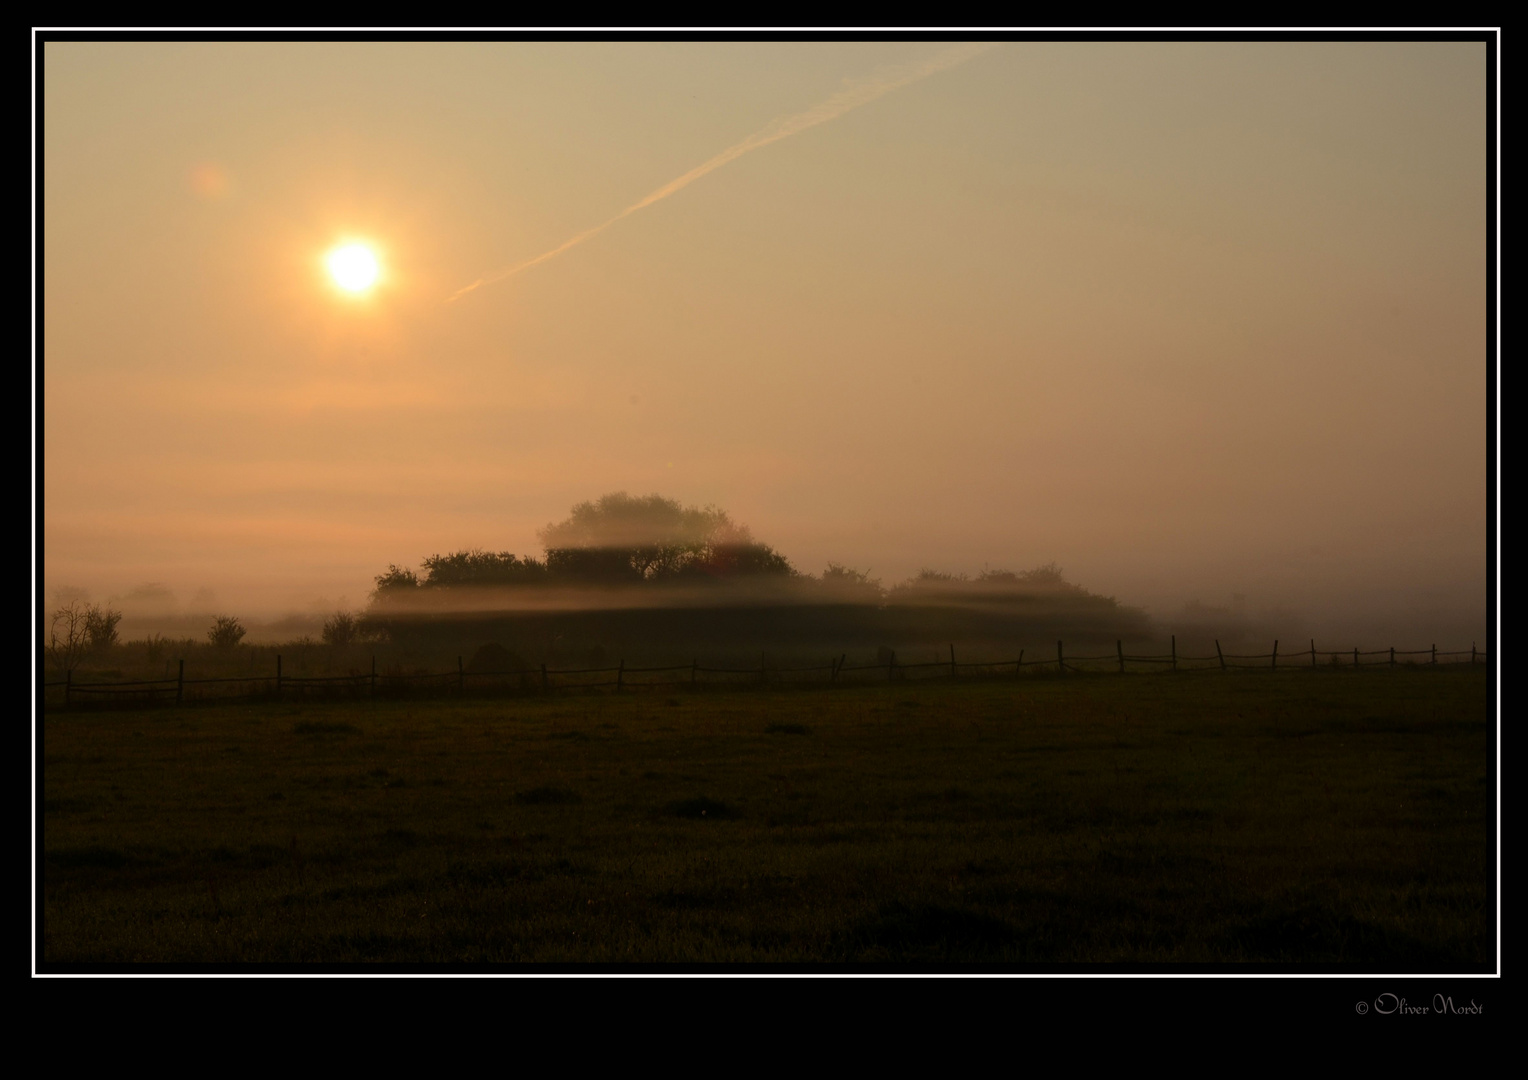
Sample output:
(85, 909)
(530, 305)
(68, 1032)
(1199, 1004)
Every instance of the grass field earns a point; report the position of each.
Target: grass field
(1324, 819)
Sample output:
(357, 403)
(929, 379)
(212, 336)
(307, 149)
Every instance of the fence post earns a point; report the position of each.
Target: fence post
(1220, 655)
(278, 673)
(1018, 665)
(1434, 653)
(1313, 654)
(1060, 659)
(545, 685)
(1275, 654)
(1175, 651)
(1392, 656)
(1472, 654)
(461, 678)
(620, 674)
(373, 674)
(1355, 655)
(952, 660)
(68, 685)
(180, 681)
(1119, 647)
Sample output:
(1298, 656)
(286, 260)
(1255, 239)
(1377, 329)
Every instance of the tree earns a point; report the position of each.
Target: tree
(637, 538)
(69, 635)
(396, 580)
(623, 538)
(226, 632)
(617, 539)
(77, 629)
(476, 568)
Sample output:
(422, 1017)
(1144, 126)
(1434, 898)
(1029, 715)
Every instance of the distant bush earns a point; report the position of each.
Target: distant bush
(226, 632)
(101, 626)
(1049, 574)
(154, 645)
(937, 577)
(855, 586)
(1047, 580)
(341, 628)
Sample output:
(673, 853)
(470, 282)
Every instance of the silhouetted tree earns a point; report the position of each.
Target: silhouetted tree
(635, 538)
(481, 568)
(615, 540)
(396, 580)
(622, 538)
(69, 635)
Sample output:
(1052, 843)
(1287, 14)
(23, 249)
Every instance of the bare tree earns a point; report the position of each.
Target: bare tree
(69, 635)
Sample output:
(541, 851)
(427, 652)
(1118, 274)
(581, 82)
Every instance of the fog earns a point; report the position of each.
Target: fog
(1203, 324)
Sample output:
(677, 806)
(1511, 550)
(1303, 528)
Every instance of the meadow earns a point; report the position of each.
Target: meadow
(1312, 820)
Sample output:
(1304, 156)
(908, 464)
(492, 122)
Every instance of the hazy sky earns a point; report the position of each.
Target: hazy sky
(1188, 319)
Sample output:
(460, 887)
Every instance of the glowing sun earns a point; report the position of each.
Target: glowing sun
(354, 267)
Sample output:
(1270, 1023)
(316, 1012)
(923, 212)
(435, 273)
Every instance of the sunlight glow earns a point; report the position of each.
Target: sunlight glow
(354, 267)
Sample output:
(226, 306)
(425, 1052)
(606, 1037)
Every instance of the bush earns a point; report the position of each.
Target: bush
(101, 626)
(341, 628)
(226, 632)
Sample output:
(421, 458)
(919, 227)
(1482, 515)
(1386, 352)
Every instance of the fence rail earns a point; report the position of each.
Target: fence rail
(836, 672)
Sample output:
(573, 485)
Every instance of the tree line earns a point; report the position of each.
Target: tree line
(622, 540)
(652, 543)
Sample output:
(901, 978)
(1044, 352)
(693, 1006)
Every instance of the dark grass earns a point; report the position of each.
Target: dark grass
(1326, 820)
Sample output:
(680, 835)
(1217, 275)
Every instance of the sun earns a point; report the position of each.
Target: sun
(353, 267)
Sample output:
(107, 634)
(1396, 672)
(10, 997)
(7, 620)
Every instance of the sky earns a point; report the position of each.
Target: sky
(1189, 319)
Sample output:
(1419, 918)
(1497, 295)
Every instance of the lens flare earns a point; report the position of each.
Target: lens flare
(354, 267)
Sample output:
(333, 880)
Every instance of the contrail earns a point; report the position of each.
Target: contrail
(857, 93)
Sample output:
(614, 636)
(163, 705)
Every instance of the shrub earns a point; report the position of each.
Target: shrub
(101, 626)
(341, 628)
(226, 632)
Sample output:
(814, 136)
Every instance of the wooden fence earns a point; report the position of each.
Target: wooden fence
(836, 672)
